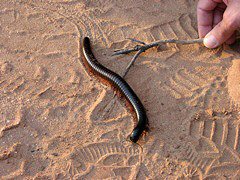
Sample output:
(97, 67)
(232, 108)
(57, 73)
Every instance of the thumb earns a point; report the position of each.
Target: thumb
(222, 31)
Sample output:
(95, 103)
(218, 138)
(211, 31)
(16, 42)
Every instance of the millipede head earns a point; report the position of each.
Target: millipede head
(136, 134)
(134, 137)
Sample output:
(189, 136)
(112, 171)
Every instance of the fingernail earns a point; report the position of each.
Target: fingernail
(210, 41)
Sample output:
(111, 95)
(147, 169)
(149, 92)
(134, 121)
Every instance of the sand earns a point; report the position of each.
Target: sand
(57, 122)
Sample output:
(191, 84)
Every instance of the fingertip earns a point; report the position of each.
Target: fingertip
(222, 33)
(210, 42)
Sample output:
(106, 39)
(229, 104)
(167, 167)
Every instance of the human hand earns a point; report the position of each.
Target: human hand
(218, 21)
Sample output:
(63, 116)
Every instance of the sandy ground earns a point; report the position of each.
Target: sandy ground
(57, 122)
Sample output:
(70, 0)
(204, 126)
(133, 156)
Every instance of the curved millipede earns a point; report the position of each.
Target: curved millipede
(120, 84)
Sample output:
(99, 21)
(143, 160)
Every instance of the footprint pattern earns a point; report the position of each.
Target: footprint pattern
(218, 146)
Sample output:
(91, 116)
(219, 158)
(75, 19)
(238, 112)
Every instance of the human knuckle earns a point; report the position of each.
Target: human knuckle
(232, 21)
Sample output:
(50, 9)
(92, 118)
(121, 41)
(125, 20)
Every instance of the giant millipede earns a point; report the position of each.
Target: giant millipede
(110, 77)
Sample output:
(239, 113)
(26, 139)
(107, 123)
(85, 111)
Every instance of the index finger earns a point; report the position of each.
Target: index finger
(205, 12)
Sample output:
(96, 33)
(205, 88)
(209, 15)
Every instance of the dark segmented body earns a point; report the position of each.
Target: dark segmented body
(118, 82)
